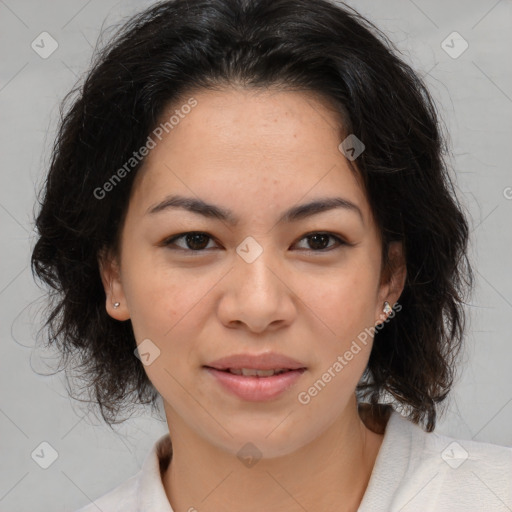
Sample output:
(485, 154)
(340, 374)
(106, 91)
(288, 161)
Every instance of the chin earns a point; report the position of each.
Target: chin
(265, 439)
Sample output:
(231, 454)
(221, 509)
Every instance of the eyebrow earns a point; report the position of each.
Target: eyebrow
(293, 214)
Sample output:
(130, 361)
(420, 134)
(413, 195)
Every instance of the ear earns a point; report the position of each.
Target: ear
(110, 273)
(392, 280)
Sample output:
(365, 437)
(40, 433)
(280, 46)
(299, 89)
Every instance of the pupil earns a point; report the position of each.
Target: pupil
(316, 238)
(194, 241)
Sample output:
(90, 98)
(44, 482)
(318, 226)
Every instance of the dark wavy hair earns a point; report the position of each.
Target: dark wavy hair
(174, 47)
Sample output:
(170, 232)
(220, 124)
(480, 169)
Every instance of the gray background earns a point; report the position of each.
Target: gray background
(474, 94)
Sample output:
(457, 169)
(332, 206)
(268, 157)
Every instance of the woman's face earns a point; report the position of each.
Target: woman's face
(262, 283)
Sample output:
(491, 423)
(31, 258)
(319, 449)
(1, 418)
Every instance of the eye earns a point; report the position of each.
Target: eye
(197, 241)
(319, 241)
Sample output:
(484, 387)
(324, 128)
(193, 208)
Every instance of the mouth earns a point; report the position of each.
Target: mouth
(254, 372)
(256, 385)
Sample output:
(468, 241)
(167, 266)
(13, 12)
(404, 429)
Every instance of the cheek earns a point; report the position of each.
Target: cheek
(345, 308)
(168, 305)
(345, 301)
(162, 311)
(154, 296)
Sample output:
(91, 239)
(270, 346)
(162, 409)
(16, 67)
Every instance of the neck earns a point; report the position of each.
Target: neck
(330, 473)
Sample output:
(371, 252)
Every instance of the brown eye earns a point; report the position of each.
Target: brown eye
(193, 241)
(319, 242)
(197, 241)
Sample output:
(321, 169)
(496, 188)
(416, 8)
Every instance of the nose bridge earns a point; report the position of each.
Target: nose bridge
(255, 265)
(256, 295)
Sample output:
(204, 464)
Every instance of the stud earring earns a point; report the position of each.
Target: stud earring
(387, 308)
(116, 305)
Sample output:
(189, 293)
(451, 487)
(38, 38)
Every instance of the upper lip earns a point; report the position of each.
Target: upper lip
(266, 361)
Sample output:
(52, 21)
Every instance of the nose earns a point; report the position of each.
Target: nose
(257, 294)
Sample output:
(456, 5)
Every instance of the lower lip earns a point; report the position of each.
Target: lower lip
(256, 389)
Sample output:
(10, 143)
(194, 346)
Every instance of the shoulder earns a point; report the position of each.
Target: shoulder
(416, 470)
(142, 491)
(467, 474)
(121, 498)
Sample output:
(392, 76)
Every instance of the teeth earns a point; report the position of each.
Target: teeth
(259, 373)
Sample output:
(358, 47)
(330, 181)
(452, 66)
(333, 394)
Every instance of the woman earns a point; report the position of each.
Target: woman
(248, 216)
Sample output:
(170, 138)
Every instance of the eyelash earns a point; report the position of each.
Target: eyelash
(169, 241)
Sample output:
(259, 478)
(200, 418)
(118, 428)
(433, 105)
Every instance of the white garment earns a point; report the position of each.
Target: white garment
(415, 471)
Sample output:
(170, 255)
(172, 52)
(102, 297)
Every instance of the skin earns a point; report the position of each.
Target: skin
(256, 153)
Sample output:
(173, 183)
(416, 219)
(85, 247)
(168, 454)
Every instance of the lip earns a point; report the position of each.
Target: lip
(253, 388)
(265, 361)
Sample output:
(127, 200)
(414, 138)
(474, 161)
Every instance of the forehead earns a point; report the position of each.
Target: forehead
(250, 145)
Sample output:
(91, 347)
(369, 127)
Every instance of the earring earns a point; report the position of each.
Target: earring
(387, 308)
(116, 305)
